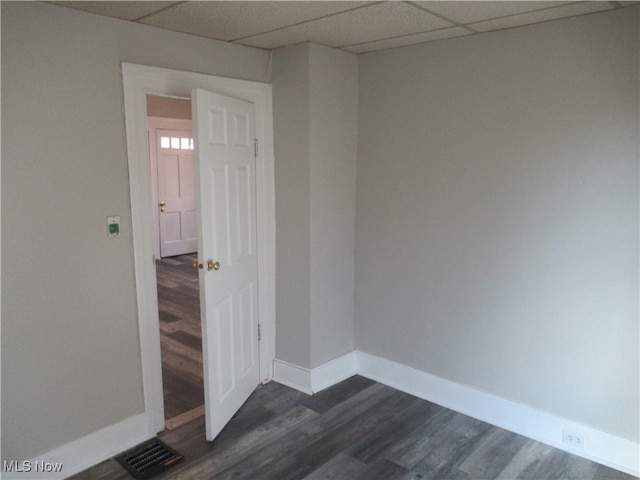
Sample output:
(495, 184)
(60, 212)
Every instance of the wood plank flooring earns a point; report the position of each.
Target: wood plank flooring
(180, 339)
(358, 429)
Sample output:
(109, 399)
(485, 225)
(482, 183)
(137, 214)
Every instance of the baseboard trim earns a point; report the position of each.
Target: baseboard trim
(334, 371)
(601, 447)
(294, 376)
(314, 380)
(87, 451)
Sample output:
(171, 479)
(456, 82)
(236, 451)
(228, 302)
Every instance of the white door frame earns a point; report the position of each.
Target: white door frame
(140, 81)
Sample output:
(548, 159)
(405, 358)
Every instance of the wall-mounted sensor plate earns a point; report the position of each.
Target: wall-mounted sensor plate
(113, 226)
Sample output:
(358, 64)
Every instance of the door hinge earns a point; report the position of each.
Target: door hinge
(259, 332)
(255, 147)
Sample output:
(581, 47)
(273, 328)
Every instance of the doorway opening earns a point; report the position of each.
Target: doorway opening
(138, 82)
(175, 249)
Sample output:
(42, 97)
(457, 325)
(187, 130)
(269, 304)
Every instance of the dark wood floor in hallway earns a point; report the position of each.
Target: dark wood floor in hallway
(180, 338)
(358, 429)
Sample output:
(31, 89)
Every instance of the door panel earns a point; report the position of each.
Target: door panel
(176, 192)
(225, 170)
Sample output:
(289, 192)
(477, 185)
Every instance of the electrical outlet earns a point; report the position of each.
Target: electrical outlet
(574, 439)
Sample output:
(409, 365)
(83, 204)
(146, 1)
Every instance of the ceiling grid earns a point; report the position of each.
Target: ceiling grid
(353, 26)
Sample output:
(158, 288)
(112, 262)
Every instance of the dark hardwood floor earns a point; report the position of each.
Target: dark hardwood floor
(358, 429)
(180, 338)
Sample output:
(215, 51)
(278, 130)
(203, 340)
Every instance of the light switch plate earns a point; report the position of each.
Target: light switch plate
(113, 226)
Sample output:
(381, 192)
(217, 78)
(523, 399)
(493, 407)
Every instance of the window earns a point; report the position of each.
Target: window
(177, 143)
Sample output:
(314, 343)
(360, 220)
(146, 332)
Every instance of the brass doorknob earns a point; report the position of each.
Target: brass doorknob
(211, 265)
(197, 265)
(162, 204)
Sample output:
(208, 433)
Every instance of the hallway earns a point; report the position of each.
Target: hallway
(181, 339)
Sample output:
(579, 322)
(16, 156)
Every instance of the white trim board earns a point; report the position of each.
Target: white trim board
(87, 451)
(601, 447)
(139, 81)
(314, 380)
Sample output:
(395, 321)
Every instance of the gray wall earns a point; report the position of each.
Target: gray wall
(70, 347)
(497, 214)
(315, 134)
(290, 83)
(333, 154)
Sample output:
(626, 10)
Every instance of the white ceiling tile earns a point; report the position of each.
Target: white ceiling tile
(122, 10)
(573, 9)
(475, 11)
(409, 40)
(231, 20)
(374, 22)
(356, 26)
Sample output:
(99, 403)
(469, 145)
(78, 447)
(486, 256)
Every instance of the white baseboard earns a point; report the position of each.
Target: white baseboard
(298, 378)
(314, 380)
(84, 452)
(601, 447)
(333, 372)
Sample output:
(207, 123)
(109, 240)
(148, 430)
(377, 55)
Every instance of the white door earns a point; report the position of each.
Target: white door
(226, 204)
(176, 192)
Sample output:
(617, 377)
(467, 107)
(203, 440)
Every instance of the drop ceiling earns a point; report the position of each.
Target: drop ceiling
(356, 27)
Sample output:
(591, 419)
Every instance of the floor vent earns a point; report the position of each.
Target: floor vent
(148, 458)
